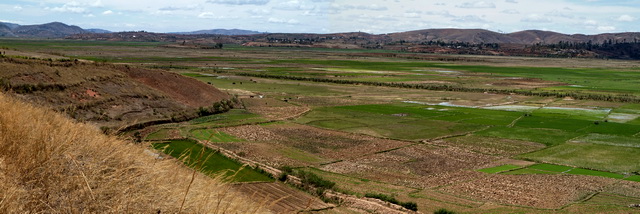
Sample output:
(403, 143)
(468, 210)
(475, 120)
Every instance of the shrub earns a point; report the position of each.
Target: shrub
(409, 205)
(444, 211)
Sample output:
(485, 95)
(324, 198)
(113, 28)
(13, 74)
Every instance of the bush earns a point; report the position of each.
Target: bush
(409, 205)
(444, 211)
(283, 177)
(383, 197)
(314, 180)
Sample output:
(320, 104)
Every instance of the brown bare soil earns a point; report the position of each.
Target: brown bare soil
(332, 144)
(419, 166)
(541, 191)
(253, 133)
(491, 146)
(266, 153)
(186, 90)
(280, 198)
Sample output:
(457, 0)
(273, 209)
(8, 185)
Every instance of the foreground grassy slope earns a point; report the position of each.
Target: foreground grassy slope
(50, 164)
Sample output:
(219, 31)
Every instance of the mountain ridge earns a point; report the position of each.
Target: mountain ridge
(473, 36)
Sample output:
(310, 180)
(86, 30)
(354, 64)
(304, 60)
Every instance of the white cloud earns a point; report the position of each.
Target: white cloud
(606, 28)
(294, 5)
(536, 18)
(374, 7)
(17, 8)
(626, 18)
(510, 11)
(511, 1)
(211, 15)
(107, 12)
(477, 4)
(283, 21)
(470, 18)
(239, 2)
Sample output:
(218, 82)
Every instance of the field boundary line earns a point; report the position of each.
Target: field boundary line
(513, 123)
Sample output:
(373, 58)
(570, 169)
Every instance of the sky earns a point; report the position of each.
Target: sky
(331, 16)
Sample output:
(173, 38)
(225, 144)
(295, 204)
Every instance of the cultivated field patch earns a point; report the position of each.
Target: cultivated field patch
(612, 140)
(498, 169)
(280, 198)
(539, 190)
(208, 161)
(592, 156)
(492, 146)
(213, 135)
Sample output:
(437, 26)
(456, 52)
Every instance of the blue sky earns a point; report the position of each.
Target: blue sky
(328, 16)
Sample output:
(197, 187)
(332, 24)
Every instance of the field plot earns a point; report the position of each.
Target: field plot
(213, 136)
(407, 121)
(612, 140)
(208, 161)
(419, 166)
(163, 134)
(492, 145)
(498, 169)
(231, 118)
(272, 109)
(545, 136)
(593, 156)
(280, 198)
(541, 191)
(332, 144)
(304, 145)
(360, 186)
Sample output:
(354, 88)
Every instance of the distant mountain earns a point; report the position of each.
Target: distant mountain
(5, 31)
(228, 32)
(10, 25)
(454, 35)
(96, 30)
(49, 30)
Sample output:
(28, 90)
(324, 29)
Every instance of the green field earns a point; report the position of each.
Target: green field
(578, 171)
(209, 162)
(633, 178)
(213, 136)
(499, 169)
(550, 167)
(593, 156)
(527, 171)
(230, 118)
(544, 168)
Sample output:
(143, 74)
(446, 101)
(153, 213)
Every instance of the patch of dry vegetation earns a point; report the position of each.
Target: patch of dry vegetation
(50, 164)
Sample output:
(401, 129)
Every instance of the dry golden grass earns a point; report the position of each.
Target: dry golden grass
(50, 164)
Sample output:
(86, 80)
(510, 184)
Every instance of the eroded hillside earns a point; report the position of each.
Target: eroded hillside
(107, 94)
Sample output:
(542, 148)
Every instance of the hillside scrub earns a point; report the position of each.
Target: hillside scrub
(50, 164)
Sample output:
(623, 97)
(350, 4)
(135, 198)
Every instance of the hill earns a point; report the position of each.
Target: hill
(5, 31)
(221, 32)
(454, 35)
(112, 96)
(50, 164)
(95, 30)
(49, 30)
